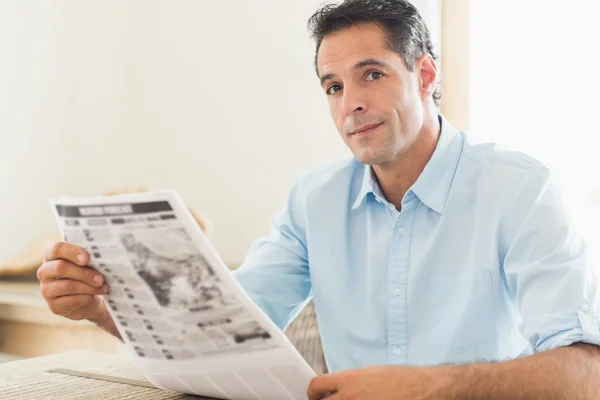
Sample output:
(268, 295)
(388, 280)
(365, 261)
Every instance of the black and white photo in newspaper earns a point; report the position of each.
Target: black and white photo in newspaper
(175, 303)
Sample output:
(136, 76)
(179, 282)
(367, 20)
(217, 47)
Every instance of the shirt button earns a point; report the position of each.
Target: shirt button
(397, 351)
(396, 291)
(401, 231)
(585, 308)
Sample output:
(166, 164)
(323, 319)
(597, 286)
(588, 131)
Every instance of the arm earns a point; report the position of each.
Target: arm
(548, 273)
(275, 273)
(571, 373)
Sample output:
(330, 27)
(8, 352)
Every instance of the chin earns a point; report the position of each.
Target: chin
(370, 156)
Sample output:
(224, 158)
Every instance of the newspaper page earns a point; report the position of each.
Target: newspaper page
(178, 308)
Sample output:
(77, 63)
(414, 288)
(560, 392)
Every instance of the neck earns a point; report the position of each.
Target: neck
(397, 176)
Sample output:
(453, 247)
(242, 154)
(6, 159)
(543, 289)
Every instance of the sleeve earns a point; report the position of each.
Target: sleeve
(547, 268)
(275, 273)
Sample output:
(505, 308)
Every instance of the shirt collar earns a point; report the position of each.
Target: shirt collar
(433, 185)
(369, 185)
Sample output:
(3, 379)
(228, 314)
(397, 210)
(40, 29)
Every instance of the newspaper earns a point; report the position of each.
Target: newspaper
(188, 322)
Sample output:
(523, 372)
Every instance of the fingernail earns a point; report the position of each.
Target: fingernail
(98, 279)
(105, 288)
(81, 258)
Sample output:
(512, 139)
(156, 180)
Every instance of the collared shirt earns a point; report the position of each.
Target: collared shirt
(482, 263)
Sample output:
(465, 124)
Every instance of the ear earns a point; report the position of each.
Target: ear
(426, 69)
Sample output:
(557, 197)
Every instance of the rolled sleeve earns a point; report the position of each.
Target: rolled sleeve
(564, 330)
(547, 267)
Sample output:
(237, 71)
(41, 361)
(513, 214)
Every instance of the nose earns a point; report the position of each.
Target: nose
(353, 101)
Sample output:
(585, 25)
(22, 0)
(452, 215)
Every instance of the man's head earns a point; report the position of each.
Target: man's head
(376, 64)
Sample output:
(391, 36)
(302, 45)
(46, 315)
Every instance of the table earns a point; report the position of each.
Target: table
(29, 379)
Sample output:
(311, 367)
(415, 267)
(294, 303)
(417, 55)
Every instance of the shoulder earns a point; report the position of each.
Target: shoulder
(494, 162)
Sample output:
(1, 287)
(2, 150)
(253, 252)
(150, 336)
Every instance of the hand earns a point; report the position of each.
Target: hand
(382, 383)
(69, 286)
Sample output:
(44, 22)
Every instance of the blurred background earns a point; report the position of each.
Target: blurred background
(220, 101)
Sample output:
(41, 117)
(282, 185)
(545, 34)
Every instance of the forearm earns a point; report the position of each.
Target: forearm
(571, 373)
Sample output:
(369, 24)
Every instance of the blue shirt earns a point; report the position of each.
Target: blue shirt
(481, 264)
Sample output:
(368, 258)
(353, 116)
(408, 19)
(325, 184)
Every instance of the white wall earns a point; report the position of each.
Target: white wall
(218, 100)
(534, 88)
(63, 108)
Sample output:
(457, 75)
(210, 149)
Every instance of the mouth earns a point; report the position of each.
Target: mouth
(365, 130)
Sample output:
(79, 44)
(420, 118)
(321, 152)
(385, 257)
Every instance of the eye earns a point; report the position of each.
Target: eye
(374, 75)
(333, 89)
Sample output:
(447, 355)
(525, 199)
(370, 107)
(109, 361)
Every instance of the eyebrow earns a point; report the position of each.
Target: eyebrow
(364, 63)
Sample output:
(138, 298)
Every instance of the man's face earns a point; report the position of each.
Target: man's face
(375, 101)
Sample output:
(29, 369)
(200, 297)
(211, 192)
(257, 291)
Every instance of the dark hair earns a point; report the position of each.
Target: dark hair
(404, 27)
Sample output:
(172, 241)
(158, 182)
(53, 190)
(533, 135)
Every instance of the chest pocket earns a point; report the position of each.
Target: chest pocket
(461, 311)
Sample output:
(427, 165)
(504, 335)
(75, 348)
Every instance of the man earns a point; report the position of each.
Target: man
(440, 269)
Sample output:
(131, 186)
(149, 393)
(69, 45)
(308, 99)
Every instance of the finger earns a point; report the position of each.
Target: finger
(67, 251)
(322, 386)
(66, 305)
(67, 287)
(63, 269)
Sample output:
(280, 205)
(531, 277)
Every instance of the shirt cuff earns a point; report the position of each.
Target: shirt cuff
(585, 328)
